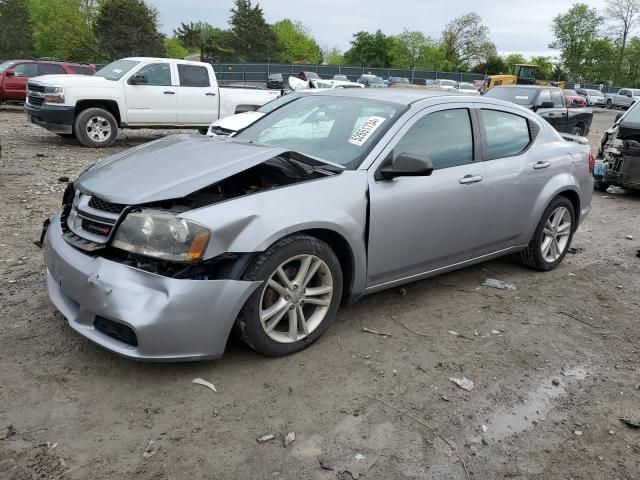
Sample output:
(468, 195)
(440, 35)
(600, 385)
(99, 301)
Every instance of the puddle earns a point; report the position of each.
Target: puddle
(507, 421)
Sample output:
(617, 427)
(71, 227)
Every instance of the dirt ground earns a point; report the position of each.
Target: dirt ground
(555, 364)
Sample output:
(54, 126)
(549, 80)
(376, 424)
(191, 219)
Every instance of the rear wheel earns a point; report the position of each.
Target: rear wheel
(601, 185)
(203, 131)
(552, 237)
(95, 128)
(298, 299)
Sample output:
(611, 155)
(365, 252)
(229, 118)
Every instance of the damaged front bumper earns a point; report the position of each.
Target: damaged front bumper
(137, 314)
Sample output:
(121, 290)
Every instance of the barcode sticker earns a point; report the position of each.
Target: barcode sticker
(366, 130)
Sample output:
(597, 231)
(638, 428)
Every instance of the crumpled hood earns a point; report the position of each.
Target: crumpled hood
(170, 168)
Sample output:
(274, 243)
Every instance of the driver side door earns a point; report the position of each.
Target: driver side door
(153, 102)
(422, 224)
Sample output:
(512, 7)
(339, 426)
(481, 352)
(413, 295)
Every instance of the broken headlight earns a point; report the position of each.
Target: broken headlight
(162, 235)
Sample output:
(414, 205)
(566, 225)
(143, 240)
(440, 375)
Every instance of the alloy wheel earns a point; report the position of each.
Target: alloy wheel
(556, 233)
(299, 290)
(98, 129)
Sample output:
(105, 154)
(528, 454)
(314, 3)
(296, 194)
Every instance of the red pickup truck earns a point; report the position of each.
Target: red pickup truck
(15, 73)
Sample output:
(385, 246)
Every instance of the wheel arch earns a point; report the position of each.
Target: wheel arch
(110, 106)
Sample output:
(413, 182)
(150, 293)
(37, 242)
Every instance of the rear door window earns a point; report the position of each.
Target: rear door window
(50, 69)
(82, 70)
(193, 76)
(506, 134)
(556, 98)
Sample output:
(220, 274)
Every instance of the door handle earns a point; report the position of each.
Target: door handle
(470, 179)
(210, 94)
(169, 92)
(541, 164)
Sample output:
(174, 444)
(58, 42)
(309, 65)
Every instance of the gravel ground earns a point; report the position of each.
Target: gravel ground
(555, 365)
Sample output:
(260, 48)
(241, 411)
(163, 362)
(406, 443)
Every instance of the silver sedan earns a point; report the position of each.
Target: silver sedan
(160, 251)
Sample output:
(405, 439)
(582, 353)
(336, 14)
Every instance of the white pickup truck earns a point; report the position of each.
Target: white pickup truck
(624, 98)
(135, 93)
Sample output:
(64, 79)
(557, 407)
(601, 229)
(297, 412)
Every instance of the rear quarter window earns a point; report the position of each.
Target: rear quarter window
(506, 134)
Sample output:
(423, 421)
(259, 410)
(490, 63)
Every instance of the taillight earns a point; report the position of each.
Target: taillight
(592, 162)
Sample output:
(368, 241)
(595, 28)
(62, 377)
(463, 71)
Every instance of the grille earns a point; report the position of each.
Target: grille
(116, 330)
(36, 88)
(99, 204)
(96, 228)
(37, 101)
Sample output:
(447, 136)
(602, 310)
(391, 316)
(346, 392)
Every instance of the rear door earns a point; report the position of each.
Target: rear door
(51, 69)
(198, 100)
(15, 86)
(154, 102)
(421, 224)
(557, 116)
(516, 175)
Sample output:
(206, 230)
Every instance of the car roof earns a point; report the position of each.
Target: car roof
(403, 96)
(531, 87)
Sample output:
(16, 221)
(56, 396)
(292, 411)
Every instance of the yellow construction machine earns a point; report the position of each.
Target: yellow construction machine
(523, 74)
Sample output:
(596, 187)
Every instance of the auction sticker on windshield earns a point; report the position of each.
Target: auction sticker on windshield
(366, 130)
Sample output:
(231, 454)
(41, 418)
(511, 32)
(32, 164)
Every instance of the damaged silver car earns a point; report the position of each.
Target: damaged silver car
(160, 251)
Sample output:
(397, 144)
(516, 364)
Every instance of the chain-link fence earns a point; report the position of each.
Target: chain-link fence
(258, 72)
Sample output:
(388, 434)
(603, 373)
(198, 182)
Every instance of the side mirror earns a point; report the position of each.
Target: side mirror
(138, 79)
(406, 165)
(10, 73)
(546, 105)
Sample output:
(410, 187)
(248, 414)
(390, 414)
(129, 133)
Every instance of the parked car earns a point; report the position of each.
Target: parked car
(397, 81)
(14, 75)
(445, 84)
(371, 81)
(548, 102)
(308, 76)
(136, 92)
(618, 159)
(275, 81)
(623, 99)
(595, 98)
(341, 78)
(162, 249)
(572, 99)
(464, 87)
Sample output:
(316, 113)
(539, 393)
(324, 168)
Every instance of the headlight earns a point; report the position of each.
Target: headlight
(162, 235)
(54, 94)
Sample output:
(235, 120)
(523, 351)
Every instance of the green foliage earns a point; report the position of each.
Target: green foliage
(16, 30)
(408, 49)
(62, 30)
(370, 49)
(434, 58)
(513, 59)
(333, 56)
(210, 42)
(493, 65)
(127, 28)
(545, 67)
(253, 39)
(575, 32)
(173, 48)
(295, 44)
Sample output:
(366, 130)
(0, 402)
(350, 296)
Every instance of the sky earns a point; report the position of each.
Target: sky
(514, 25)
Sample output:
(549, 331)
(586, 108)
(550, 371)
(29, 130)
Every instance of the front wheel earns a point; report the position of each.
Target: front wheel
(95, 128)
(298, 299)
(552, 237)
(609, 103)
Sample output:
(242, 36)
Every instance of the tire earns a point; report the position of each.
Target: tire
(601, 185)
(203, 131)
(609, 104)
(288, 255)
(577, 131)
(95, 128)
(533, 256)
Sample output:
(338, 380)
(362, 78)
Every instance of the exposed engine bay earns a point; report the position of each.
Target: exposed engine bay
(619, 157)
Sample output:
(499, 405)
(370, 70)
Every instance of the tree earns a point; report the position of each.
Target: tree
(493, 65)
(61, 30)
(295, 44)
(128, 28)
(253, 38)
(173, 48)
(332, 56)
(513, 59)
(409, 49)
(16, 29)
(633, 62)
(624, 15)
(574, 33)
(370, 49)
(212, 43)
(433, 57)
(545, 67)
(466, 41)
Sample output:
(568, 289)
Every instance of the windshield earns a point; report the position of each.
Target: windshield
(632, 115)
(566, 91)
(116, 70)
(595, 93)
(5, 65)
(521, 96)
(373, 79)
(339, 129)
(399, 80)
(447, 83)
(466, 86)
(278, 102)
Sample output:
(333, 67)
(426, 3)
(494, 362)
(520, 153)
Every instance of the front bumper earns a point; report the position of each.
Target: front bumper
(171, 319)
(56, 118)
